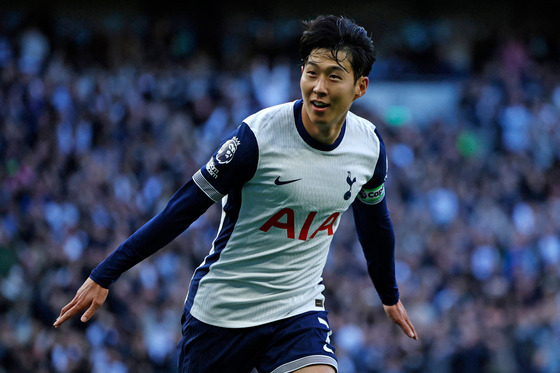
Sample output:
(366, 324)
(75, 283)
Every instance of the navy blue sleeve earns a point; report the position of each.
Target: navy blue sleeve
(381, 168)
(186, 205)
(231, 165)
(376, 235)
(375, 231)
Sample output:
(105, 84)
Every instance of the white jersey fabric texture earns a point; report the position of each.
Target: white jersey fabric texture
(267, 261)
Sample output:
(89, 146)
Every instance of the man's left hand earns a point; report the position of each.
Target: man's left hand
(398, 315)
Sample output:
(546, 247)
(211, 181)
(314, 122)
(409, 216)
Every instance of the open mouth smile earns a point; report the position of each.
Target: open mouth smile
(319, 105)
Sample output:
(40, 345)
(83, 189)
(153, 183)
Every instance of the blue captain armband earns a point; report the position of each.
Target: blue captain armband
(372, 196)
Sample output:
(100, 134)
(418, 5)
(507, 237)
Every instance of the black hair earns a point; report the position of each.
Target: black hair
(337, 33)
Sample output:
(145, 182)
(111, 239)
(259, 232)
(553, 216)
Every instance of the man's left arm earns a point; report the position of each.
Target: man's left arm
(377, 238)
(376, 235)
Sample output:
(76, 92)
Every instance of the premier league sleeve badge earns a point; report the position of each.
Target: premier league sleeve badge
(227, 151)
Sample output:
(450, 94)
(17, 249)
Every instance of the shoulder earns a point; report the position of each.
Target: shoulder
(364, 130)
(361, 124)
(271, 115)
(367, 132)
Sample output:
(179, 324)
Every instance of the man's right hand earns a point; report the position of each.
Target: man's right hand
(90, 295)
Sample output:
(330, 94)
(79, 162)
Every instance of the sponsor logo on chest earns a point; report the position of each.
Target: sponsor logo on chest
(333, 196)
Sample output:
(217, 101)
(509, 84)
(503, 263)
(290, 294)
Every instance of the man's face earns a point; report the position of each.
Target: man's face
(328, 88)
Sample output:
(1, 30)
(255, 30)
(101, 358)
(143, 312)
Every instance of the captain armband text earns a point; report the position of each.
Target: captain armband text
(372, 196)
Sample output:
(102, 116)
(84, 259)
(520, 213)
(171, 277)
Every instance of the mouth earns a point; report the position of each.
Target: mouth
(318, 105)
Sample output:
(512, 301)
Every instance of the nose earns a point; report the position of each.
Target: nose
(320, 87)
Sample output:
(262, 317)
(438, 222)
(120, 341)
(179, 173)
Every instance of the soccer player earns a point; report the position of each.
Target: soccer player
(284, 177)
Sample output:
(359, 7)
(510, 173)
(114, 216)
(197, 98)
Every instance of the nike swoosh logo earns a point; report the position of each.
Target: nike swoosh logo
(280, 182)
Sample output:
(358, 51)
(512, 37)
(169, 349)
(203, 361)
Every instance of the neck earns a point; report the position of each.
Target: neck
(325, 133)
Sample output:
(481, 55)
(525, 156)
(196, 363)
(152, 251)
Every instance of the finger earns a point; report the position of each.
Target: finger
(72, 308)
(90, 311)
(66, 315)
(405, 323)
(68, 306)
(406, 328)
(413, 329)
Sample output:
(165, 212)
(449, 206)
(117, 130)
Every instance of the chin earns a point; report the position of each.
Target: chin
(321, 123)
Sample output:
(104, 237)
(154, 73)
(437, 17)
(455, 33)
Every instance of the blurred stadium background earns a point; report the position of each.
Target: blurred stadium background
(106, 108)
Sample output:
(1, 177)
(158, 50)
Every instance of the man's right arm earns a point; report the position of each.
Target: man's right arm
(229, 168)
(186, 205)
(231, 165)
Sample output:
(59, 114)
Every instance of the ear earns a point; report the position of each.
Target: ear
(361, 86)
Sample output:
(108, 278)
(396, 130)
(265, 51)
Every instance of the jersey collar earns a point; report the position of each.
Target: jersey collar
(307, 137)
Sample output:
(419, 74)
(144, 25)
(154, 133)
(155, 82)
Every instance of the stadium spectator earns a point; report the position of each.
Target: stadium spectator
(89, 149)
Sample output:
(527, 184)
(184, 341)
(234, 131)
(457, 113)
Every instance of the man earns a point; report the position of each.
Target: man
(284, 177)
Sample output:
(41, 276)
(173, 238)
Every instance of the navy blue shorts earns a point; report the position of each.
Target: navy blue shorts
(278, 347)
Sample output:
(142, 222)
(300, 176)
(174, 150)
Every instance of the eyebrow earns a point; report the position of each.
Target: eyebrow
(337, 67)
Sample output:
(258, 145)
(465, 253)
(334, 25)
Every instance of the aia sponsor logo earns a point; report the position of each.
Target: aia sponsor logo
(285, 219)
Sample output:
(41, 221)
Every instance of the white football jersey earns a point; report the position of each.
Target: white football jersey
(282, 195)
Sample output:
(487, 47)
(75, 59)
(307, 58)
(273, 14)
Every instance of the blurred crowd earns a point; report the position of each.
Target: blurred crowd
(99, 126)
